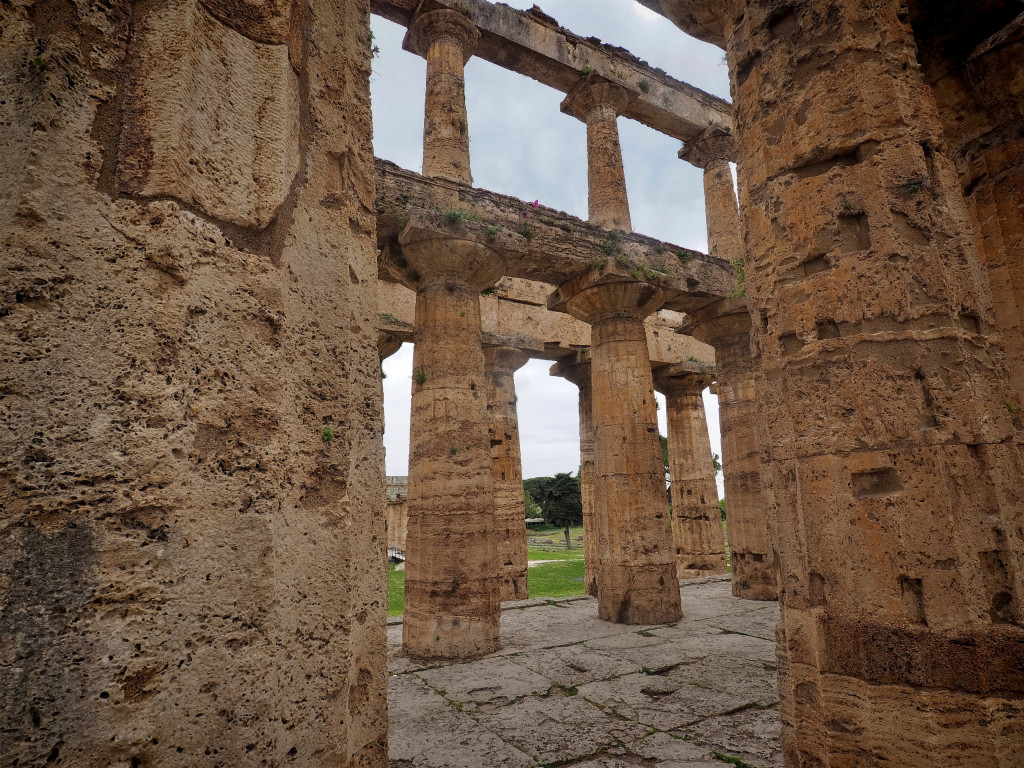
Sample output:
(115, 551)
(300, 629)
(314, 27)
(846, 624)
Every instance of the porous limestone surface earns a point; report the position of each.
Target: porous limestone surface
(569, 689)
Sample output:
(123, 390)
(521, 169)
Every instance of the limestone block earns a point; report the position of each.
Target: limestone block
(265, 21)
(210, 117)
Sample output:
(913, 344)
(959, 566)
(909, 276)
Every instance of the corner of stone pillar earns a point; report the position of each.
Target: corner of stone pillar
(428, 27)
(714, 145)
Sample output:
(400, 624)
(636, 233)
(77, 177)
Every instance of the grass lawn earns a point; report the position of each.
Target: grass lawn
(396, 591)
(556, 579)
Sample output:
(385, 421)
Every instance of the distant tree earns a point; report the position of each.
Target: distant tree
(530, 506)
(721, 506)
(716, 462)
(664, 451)
(536, 487)
(562, 504)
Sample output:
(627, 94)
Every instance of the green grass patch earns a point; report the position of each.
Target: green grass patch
(396, 591)
(556, 579)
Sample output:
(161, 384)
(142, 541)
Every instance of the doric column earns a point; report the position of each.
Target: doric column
(636, 580)
(577, 370)
(890, 436)
(446, 39)
(507, 470)
(598, 103)
(452, 606)
(725, 325)
(712, 151)
(697, 519)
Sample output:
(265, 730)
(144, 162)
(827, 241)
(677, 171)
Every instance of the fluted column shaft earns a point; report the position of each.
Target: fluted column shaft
(890, 436)
(446, 39)
(507, 470)
(598, 103)
(726, 326)
(713, 151)
(636, 580)
(452, 605)
(578, 372)
(697, 521)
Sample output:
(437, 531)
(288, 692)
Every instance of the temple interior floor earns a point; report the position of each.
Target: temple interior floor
(569, 689)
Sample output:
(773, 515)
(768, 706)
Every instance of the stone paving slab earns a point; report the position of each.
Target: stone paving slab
(569, 689)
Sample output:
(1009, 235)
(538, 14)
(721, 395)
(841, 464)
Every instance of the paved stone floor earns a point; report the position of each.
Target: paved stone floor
(570, 689)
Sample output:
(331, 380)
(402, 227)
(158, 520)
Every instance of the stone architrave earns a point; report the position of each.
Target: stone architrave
(890, 436)
(726, 326)
(507, 470)
(576, 369)
(452, 603)
(598, 103)
(446, 39)
(696, 517)
(636, 578)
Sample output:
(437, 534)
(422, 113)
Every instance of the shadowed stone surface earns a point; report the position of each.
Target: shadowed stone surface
(586, 697)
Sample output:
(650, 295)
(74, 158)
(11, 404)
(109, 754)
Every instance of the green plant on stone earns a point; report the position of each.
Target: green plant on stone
(645, 85)
(683, 256)
(37, 62)
(492, 291)
(455, 216)
(598, 262)
(327, 435)
(528, 232)
(386, 316)
(420, 376)
(731, 760)
(452, 451)
(492, 232)
(636, 274)
(622, 259)
(1010, 409)
(740, 271)
(586, 71)
(913, 187)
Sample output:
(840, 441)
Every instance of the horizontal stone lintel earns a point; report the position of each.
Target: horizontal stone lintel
(549, 247)
(531, 43)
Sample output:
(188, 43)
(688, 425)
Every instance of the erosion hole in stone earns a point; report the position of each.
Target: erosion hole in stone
(912, 596)
(817, 595)
(876, 482)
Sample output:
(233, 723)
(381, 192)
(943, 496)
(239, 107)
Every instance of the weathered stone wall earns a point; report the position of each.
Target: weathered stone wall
(190, 574)
(889, 435)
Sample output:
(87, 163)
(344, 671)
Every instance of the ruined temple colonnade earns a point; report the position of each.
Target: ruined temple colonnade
(194, 237)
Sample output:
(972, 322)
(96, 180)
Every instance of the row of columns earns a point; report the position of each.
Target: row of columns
(465, 485)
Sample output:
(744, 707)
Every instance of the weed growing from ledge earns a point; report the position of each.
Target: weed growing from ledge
(645, 85)
(38, 63)
(1010, 409)
(683, 256)
(420, 376)
(387, 316)
(455, 216)
(327, 435)
(492, 291)
(492, 232)
(636, 274)
(598, 262)
(622, 259)
(913, 187)
(847, 205)
(739, 269)
(528, 232)
(586, 72)
(452, 451)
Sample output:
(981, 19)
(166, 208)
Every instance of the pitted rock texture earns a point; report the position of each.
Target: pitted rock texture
(234, 158)
(891, 441)
(190, 574)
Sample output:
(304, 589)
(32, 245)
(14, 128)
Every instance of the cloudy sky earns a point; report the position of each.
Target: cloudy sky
(521, 145)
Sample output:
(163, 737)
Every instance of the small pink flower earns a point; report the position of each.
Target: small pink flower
(527, 215)
(535, 203)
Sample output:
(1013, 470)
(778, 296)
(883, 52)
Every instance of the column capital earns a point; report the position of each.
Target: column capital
(574, 368)
(442, 25)
(718, 324)
(596, 302)
(712, 147)
(438, 257)
(387, 344)
(505, 360)
(684, 379)
(594, 92)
